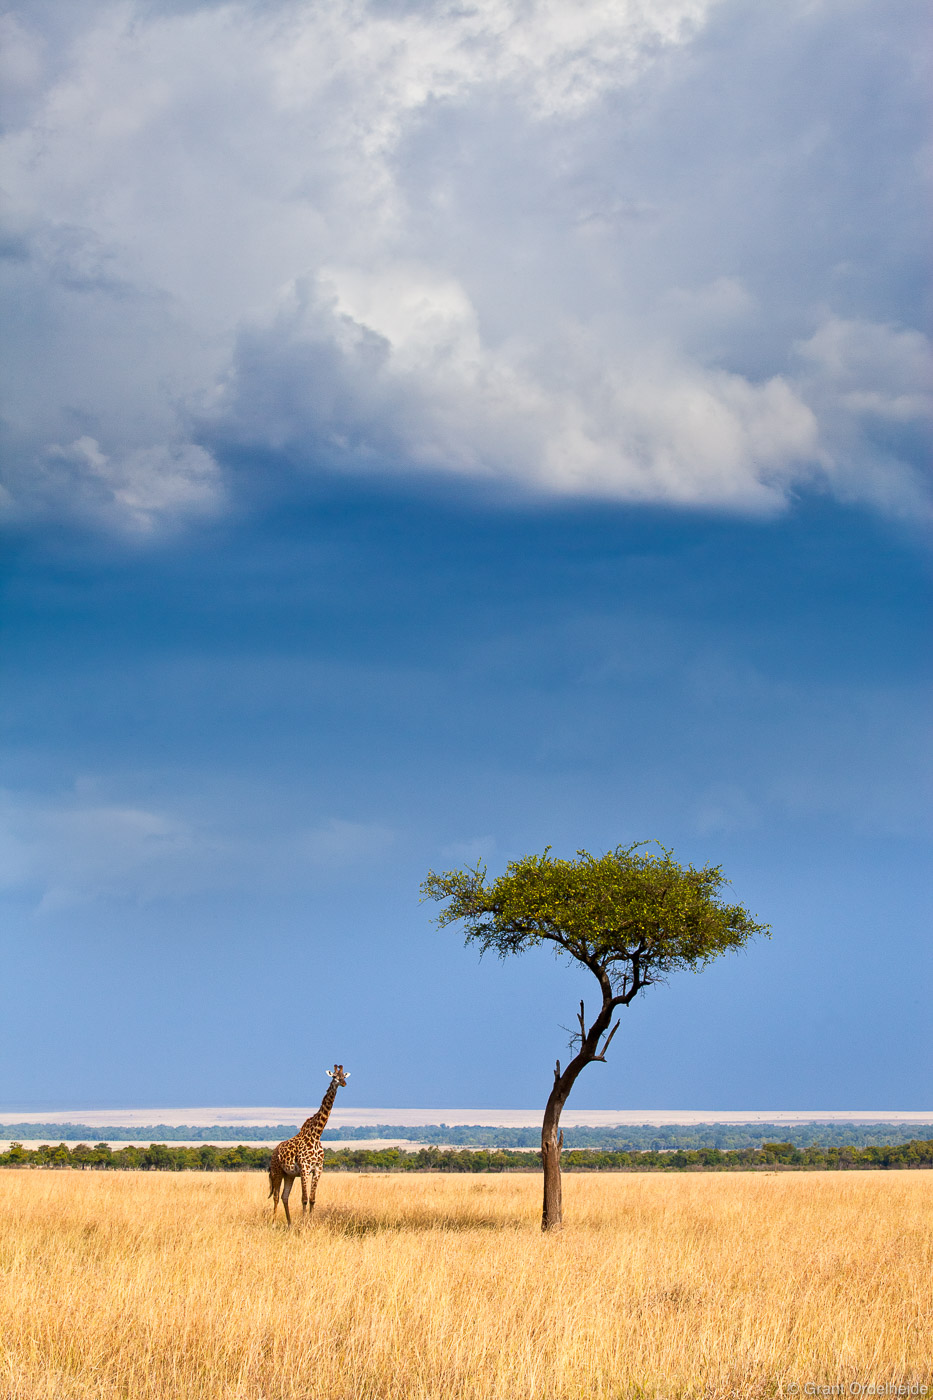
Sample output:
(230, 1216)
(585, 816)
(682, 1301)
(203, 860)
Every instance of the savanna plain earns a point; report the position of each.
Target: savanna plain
(158, 1286)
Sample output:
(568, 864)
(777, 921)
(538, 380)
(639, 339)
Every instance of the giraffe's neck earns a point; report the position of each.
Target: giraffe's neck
(312, 1128)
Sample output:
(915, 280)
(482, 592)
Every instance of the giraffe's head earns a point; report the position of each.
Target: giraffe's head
(337, 1074)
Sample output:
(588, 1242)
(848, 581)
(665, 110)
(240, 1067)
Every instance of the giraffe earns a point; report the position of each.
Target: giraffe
(303, 1155)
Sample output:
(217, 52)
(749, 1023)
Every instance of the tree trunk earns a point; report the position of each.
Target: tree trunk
(552, 1139)
(552, 1143)
(552, 1214)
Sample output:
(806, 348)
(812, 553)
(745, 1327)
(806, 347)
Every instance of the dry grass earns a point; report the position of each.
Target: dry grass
(157, 1287)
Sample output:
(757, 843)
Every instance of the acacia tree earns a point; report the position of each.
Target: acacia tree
(631, 917)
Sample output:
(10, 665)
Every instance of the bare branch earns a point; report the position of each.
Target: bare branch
(606, 1044)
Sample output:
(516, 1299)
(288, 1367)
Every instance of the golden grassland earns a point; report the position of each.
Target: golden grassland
(155, 1286)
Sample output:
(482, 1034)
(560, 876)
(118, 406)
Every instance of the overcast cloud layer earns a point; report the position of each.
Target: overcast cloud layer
(665, 251)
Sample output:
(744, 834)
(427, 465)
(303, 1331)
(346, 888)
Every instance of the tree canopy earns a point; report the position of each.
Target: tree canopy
(631, 916)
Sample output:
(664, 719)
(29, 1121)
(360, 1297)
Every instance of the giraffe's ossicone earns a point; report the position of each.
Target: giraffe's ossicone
(303, 1154)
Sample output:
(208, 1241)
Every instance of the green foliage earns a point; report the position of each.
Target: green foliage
(156, 1157)
(633, 915)
(773, 1156)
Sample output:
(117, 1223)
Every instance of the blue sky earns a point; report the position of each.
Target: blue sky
(436, 433)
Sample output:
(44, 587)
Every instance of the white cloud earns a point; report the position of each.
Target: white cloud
(71, 851)
(391, 370)
(873, 387)
(145, 485)
(80, 847)
(563, 247)
(873, 370)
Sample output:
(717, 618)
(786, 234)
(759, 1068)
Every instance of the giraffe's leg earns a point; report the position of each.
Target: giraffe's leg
(304, 1189)
(312, 1191)
(275, 1186)
(286, 1192)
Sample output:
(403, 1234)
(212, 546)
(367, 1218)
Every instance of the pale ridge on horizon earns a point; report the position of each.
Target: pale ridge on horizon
(348, 1117)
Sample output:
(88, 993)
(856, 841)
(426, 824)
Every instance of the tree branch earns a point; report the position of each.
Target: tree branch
(639, 980)
(606, 1044)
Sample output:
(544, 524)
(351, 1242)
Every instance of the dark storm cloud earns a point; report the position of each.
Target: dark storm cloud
(666, 252)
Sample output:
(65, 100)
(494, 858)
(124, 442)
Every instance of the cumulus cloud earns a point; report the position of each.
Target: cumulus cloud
(873, 385)
(138, 489)
(392, 369)
(637, 251)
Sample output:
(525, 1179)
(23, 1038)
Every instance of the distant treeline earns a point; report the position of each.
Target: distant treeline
(638, 1138)
(646, 1138)
(161, 1157)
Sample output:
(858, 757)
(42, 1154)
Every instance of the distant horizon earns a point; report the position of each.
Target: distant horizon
(245, 1116)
